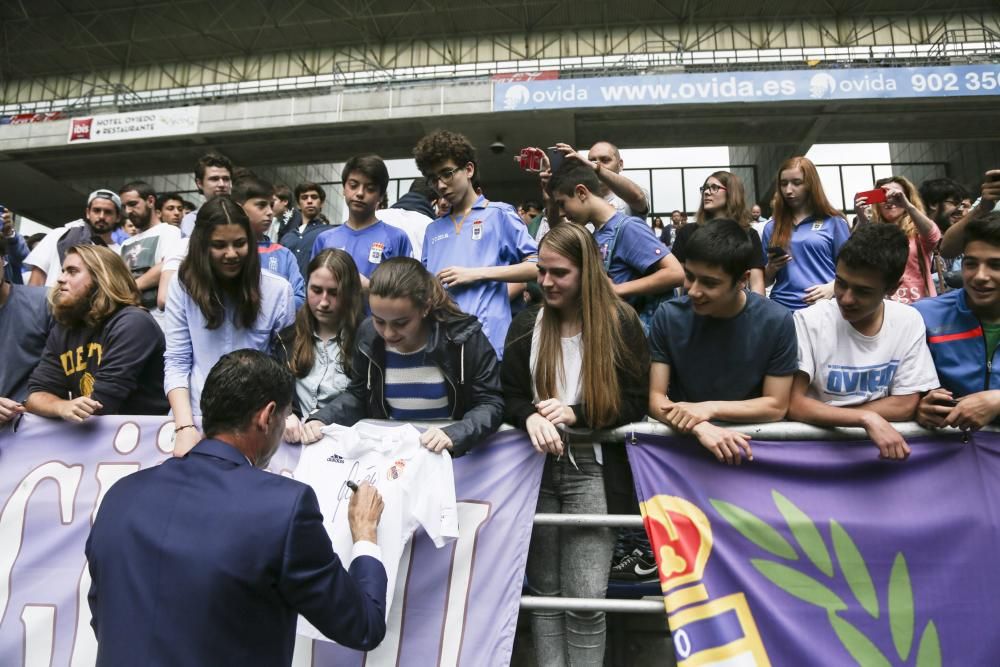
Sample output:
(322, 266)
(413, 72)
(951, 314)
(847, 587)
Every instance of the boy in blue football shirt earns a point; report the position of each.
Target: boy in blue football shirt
(638, 264)
(255, 196)
(366, 239)
(479, 245)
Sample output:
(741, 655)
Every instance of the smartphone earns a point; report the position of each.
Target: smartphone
(556, 157)
(530, 159)
(776, 251)
(876, 196)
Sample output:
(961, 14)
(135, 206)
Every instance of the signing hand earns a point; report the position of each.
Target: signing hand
(435, 440)
(79, 409)
(888, 440)
(728, 446)
(545, 437)
(934, 407)
(557, 413)
(363, 513)
(455, 276)
(819, 293)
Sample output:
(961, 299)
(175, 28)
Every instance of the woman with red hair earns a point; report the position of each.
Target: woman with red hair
(801, 242)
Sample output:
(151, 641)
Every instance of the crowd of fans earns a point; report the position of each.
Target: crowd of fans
(568, 311)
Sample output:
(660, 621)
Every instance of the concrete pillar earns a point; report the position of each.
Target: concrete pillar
(766, 158)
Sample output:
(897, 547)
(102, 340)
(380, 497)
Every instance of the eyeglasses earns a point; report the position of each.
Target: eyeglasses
(711, 187)
(445, 176)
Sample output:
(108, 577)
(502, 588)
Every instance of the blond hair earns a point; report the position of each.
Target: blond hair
(602, 314)
(114, 286)
(904, 222)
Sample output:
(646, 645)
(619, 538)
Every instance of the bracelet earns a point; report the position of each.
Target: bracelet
(181, 428)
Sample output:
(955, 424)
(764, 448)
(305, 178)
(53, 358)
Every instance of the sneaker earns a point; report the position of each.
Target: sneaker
(636, 567)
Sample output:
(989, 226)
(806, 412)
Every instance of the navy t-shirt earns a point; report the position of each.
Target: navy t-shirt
(714, 359)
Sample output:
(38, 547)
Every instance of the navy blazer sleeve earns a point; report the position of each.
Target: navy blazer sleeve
(348, 608)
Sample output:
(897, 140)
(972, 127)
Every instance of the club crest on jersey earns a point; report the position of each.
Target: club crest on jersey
(396, 469)
(375, 253)
(477, 230)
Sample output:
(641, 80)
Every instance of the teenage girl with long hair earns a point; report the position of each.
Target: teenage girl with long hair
(219, 301)
(803, 238)
(317, 348)
(724, 197)
(580, 361)
(904, 208)
(419, 358)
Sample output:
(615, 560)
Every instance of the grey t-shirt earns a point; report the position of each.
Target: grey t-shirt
(24, 326)
(714, 359)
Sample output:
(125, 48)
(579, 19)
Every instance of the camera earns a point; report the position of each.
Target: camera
(498, 147)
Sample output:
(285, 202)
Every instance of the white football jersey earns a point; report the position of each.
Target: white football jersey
(417, 487)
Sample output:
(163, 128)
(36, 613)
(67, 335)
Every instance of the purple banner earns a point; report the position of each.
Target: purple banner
(460, 603)
(820, 553)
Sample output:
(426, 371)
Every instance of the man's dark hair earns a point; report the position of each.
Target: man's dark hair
(676, 211)
(722, 243)
(880, 248)
(937, 190)
(142, 188)
(168, 196)
(211, 160)
(984, 228)
(34, 240)
(372, 167)
(570, 174)
(283, 192)
(249, 186)
(531, 203)
(440, 146)
(419, 186)
(238, 386)
(302, 188)
(189, 205)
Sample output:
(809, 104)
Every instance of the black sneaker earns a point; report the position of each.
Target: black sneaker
(636, 567)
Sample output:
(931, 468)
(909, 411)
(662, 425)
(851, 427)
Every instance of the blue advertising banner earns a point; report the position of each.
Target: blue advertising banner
(820, 553)
(723, 87)
(459, 604)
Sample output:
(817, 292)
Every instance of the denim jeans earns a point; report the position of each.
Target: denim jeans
(570, 562)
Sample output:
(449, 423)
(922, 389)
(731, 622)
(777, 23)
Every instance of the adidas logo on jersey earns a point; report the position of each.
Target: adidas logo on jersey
(336, 458)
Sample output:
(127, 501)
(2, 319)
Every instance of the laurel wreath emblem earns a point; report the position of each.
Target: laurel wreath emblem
(852, 569)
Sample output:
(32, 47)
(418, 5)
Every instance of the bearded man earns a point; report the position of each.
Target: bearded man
(105, 354)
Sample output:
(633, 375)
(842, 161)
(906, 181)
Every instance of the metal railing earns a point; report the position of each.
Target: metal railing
(780, 431)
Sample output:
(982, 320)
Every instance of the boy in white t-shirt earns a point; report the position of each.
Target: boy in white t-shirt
(863, 360)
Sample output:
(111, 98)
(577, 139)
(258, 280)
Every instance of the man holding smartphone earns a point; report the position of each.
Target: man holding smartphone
(963, 333)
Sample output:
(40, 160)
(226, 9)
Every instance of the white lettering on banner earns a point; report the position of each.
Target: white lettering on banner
(67, 479)
(39, 622)
(84, 641)
(472, 515)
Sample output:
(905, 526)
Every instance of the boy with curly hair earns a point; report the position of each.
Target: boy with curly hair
(479, 245)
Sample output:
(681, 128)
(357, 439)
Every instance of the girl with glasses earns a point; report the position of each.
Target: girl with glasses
(723, 196)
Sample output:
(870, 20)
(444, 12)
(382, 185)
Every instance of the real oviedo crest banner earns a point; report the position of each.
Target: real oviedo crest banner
(458, 605)
(820, 553)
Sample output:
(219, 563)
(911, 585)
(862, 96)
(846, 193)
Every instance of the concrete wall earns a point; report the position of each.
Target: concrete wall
(965, 161)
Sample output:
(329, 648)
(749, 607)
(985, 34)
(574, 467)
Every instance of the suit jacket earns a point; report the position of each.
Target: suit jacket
(206, 560)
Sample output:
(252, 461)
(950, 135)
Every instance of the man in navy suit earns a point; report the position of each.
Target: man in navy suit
(208, 560)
